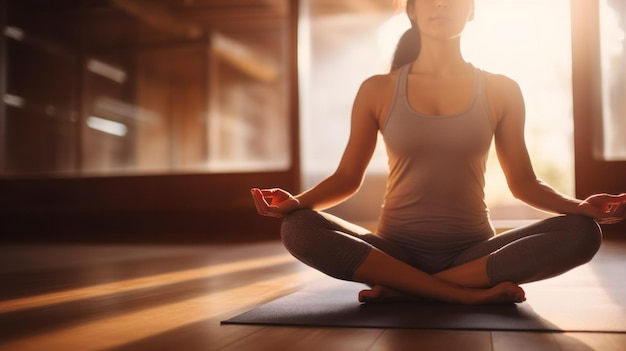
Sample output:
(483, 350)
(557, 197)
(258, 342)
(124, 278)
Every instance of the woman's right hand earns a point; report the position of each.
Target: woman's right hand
(274, 202)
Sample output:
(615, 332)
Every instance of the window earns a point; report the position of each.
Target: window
(151, 87)
(613, 56)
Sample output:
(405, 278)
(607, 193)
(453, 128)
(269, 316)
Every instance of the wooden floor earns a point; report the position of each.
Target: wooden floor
(167, 297)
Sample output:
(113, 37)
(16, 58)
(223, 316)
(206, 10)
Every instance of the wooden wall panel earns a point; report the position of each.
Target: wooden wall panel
(181, 206)
(3, 80)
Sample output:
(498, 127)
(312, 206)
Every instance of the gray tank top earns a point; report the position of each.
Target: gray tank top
(435, 187)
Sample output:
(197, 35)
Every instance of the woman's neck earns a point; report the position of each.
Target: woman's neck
(440, 58)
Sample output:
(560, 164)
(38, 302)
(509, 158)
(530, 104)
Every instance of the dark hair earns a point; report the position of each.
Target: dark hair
(408, 47)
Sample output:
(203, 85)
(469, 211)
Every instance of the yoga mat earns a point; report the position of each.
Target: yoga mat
(590, 298)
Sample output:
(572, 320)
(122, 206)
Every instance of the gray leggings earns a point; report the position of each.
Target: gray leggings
(538, 251)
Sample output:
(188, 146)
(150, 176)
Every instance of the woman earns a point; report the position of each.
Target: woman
(438, 115)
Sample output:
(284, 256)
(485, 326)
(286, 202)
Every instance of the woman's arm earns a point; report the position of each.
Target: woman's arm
(508, 104)
(348, 176)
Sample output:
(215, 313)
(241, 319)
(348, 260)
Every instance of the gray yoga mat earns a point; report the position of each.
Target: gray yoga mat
(590, 298)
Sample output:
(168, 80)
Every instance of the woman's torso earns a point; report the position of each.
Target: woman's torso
(435, 191)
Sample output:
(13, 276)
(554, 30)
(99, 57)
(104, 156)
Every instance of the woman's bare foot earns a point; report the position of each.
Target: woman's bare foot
(381, 294)
(501, 293)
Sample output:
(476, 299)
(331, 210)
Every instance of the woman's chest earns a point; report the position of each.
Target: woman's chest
(440, 97)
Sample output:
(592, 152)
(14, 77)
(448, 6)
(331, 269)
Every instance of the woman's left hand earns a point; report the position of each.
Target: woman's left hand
(605, 208)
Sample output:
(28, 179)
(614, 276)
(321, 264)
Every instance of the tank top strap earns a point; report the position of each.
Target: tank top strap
(481, 95)
(399, 96)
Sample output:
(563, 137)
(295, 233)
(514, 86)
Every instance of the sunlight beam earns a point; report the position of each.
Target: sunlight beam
(127, 328)
(140, 283)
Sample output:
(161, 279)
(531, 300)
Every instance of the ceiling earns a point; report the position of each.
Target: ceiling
(110, 24)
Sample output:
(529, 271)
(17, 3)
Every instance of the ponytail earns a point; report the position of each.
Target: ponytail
(409, 45)
(408, 48)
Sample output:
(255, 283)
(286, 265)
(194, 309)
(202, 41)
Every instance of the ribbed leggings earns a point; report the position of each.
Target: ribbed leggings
(538, 251)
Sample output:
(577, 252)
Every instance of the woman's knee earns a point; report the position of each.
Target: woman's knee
(296, 230)
(304, 235)
(586, 234)
(308, 236)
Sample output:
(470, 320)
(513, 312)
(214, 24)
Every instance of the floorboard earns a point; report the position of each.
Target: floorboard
(403, 339)
(173, 297)
(307, 339)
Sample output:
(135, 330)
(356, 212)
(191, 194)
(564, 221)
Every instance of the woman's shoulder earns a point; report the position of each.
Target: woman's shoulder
(380, 86)
(376, 95)
(503, 95)
(500, 82)
(381, 81)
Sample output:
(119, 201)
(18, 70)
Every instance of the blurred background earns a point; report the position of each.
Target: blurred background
(166, 112)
